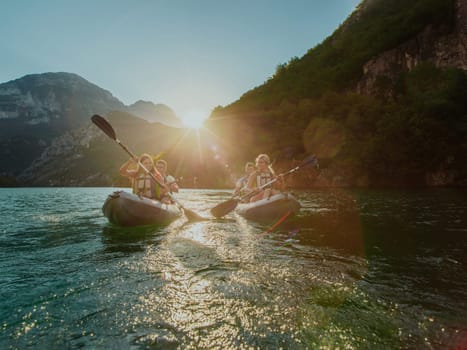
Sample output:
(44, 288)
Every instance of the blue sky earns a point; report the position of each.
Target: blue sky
(192, 55)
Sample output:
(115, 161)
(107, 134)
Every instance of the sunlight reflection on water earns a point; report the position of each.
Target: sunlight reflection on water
(350, 276)
(222, 287)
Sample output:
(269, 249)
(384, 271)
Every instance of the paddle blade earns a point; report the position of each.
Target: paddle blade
(104, 125)
(310, 160)
(192, 216)
(224, 208)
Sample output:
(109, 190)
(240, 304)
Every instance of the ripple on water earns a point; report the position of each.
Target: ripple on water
(70, 280)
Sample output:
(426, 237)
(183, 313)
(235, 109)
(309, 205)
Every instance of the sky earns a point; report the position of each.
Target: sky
(191, 55)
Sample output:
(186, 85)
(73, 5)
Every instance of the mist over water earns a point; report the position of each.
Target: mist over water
(355, 269)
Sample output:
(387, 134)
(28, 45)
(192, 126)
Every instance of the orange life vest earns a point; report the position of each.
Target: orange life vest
(144, 185)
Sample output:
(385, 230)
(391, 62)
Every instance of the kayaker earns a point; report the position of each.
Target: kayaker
(142, 183)
(161, 165)
(263, 174)
(241, 184)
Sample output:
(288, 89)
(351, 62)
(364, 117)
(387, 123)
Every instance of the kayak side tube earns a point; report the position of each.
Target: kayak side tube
(270, 208)
(126, 209)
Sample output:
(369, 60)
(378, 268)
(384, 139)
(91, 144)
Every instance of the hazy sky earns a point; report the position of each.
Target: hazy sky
(192, 55)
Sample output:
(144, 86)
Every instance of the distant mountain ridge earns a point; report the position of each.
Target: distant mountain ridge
(58, 100)
(159, 113)
(37, 108)
(87, 157)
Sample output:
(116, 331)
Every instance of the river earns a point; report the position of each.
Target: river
(355, 269)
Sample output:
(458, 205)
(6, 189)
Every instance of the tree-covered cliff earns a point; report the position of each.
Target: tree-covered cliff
(382, 101)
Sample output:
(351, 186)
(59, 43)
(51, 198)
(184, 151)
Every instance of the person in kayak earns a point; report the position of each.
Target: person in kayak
(241, 184)
(161, 166)
(141, 182)
(263, 174)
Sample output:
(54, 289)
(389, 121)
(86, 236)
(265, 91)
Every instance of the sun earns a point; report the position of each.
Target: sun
(194, 119)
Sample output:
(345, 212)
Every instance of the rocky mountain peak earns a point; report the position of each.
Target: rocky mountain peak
(160, 113)
(53, 99)
(37, 108)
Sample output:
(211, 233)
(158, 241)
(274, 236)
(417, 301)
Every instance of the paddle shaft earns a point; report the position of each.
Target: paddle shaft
(260, 188)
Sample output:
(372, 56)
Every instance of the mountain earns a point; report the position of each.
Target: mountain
(382, 101)
(37, 108)
(50, 103)
(87, 157)
(376, 28)
(159, 113)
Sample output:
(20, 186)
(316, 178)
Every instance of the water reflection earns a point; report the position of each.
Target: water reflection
(129, 240)
(232, 282)
(351, 270)
(219, 285)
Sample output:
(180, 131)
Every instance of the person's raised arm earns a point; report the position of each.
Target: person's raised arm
(124, 171)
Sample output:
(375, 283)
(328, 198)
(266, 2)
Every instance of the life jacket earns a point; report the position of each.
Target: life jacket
(144, 185)
(242, 182)
(263, 178)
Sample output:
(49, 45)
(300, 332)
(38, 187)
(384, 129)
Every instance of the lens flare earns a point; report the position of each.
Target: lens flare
(194, 119)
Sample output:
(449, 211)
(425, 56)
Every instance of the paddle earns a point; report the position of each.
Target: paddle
(105, 126)
(227, 206)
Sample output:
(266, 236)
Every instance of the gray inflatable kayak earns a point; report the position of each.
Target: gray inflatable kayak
(271, 208)
(127, 209)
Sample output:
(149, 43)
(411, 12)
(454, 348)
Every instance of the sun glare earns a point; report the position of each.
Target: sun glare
(194, 120)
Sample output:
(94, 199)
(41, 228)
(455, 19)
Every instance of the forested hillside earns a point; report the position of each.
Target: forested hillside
(409, 128)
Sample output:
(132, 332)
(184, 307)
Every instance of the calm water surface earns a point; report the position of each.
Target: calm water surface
(354, 270)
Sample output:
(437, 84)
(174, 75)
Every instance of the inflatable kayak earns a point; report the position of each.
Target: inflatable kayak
(126, 209)
(271, 208)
